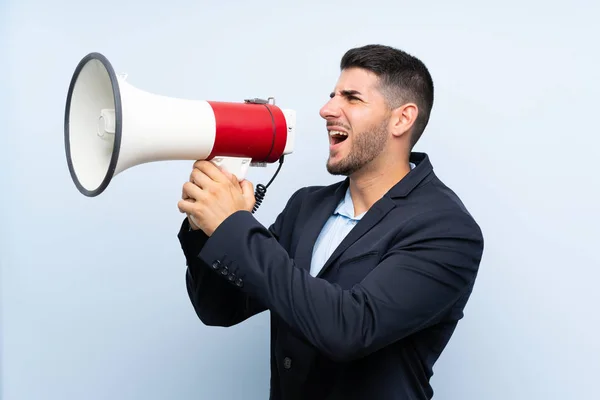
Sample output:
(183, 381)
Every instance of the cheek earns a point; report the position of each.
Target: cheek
(363, 121)
(359, 118)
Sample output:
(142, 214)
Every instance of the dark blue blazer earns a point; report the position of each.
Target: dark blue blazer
(374, 321)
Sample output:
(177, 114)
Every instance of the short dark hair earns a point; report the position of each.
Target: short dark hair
(404, 78)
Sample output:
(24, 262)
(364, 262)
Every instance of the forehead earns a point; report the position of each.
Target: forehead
(357, 79)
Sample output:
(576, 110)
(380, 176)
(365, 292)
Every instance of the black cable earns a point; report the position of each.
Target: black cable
(261, 190)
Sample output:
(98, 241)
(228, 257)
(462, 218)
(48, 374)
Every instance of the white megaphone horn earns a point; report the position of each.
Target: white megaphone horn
(111, 126)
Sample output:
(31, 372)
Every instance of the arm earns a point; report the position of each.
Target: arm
(213, 292)
(216, 301)
(413, 285)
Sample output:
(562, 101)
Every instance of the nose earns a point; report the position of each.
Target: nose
(331, 109)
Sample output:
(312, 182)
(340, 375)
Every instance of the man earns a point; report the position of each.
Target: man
(365, 279)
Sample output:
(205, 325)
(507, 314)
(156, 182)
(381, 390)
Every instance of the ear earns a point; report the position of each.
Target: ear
(403, 118)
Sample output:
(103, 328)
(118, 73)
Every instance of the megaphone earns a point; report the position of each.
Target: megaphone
(111, 126)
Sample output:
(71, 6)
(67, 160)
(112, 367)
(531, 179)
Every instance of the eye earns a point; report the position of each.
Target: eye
(353, 99)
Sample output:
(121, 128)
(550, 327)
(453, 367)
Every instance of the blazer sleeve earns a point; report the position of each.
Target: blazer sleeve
(414, 284)
(213, 289)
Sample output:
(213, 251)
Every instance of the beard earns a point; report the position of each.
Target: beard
(366, 146)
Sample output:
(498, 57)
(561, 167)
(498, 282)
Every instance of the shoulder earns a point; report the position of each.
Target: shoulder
(437, 212)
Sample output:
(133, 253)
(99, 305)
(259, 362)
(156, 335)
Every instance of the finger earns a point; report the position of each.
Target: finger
(198, 163)
(200, 179)
(185, 207)
(235, 182)
(186, 196)
(191, 192)
(211, 170)
(248, 194)
(247, 188)
(184, 192)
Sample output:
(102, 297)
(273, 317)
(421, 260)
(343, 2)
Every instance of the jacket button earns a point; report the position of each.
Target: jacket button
(287, 363)
(239, 282)
(216, 264)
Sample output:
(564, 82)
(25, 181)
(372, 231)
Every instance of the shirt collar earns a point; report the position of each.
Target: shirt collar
(346, 206)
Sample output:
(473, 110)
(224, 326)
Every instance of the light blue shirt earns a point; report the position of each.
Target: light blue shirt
(339, 224)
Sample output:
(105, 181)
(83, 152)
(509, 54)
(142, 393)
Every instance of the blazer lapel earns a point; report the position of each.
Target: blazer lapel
(379, 210)
(320, 209)
(368, 221)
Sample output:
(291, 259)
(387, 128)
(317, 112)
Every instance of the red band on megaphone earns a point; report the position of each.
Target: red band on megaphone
(251, 130)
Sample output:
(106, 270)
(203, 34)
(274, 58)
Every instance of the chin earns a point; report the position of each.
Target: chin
(337, 168)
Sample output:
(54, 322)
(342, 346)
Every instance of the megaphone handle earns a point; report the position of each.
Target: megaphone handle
(242, 165)
(193, 221)
(234, 165)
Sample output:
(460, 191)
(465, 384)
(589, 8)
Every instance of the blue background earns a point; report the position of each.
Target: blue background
(94, 304)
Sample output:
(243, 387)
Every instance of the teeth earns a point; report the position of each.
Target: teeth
(335, 133)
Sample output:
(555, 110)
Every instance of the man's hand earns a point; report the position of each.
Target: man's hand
(212, 195)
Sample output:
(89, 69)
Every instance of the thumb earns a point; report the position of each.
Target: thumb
(232, 178)
(234, 181)
(247, 188)
(248, 193)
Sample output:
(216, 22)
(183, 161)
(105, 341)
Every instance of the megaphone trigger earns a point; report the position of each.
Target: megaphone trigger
(237, 166)
(111, 126)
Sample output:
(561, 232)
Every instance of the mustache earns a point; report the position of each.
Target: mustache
(335, 123)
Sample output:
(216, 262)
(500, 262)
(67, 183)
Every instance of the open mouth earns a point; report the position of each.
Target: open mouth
(337, 137)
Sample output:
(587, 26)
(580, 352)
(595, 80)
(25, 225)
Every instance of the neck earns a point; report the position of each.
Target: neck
(372, 182)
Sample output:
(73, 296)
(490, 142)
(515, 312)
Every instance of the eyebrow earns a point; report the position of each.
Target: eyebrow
(346, 93)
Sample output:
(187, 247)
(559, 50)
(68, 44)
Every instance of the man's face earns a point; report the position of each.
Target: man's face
(357, 122)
